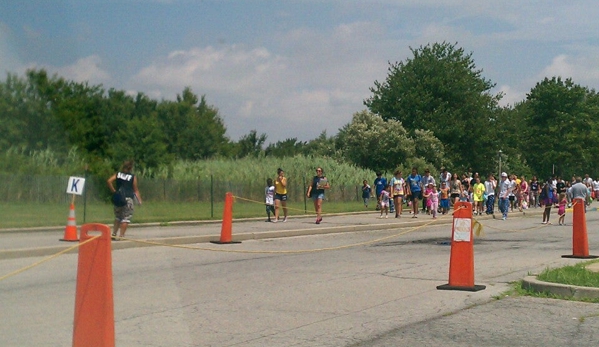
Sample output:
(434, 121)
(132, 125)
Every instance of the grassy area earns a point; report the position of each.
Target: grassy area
(27, 215)
(576, 275)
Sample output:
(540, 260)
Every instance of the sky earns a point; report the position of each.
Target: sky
(291, 68)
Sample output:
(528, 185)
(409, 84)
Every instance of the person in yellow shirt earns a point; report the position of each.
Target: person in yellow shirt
(280, 195)
(478, 192)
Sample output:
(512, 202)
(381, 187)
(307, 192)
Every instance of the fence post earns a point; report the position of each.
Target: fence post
(211, 196)
(85, 192)
(304, 194)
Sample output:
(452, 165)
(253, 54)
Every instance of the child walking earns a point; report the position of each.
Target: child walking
(269, 198)
(366, 190)
(561, 211)
(444, 197)
(384, 201)
(432, 199)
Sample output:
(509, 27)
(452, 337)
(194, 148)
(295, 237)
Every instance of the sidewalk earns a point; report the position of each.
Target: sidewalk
(44, 242)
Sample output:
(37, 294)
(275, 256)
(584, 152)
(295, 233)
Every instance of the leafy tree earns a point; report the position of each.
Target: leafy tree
(322, 146)
(512, 140)
(441, 90)
(26, 117)
(429, 147)
(250, 145)
(371, 142)
(193, 131)
(562, 122)
(286, 148)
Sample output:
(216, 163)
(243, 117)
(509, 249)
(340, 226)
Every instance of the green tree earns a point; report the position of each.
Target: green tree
(370, 142)
(322, 146)
(562, 127)
(441, 90)
(193, 130)
(287, 148)
(250, 145)
(26, 116)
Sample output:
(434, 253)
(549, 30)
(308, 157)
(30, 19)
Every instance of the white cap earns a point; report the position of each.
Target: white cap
(503, 174)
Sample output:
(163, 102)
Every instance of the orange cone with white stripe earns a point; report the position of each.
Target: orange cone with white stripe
(70, 232)
(461, 262)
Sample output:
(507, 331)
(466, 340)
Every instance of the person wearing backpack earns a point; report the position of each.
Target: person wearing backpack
(546, 197)
(123, 194)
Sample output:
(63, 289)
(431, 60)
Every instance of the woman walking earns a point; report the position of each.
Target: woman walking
(316, 192)
(546, 197)
(126, 185)
(280, 195)
(455, 189)
(398, 186)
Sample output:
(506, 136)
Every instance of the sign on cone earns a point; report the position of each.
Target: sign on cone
(461, 262)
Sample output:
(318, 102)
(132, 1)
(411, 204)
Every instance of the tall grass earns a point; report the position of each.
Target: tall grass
(41, 177)
(257, 169)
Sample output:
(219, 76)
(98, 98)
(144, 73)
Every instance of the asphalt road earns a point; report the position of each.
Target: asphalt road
(375, 293)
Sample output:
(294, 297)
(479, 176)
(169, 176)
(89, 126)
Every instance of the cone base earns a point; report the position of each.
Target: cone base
(77, 240)
(476, 288)
(580, 256)
(224, 243)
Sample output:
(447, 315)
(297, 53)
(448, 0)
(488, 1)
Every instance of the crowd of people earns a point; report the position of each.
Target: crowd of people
(425, 194)
(420, 194)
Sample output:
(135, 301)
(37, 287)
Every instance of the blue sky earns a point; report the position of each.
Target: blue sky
(292, 68)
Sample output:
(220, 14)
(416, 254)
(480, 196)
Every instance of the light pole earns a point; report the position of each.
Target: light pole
(499, 153)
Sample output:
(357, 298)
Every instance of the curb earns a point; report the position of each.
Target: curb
(182, 240)
(564, 290)
(178, 223)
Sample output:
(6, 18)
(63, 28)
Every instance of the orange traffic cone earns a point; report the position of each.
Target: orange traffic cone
(461, 263)
(227, 226)
(94, 298)
(70, 232)
(580, 240)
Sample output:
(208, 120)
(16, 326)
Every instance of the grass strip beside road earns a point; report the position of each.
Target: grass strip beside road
(30, 215)
(576, 275)
(573, 275)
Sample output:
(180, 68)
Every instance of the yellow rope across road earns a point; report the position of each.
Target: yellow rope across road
(47, 259)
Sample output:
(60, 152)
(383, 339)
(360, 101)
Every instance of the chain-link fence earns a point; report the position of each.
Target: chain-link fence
(52, 189)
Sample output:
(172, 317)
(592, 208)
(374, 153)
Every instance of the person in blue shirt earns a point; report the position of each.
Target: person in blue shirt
(379, 185)
(414, 187)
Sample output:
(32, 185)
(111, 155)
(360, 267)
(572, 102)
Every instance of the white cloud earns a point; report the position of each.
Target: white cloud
(315, 83)
(228, 69)
(511, 96)
(581, 69)
(86, 69)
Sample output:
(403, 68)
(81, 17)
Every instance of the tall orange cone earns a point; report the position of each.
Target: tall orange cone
(227, 226)
(70, 232)
(461, 263)
(94, 302)
(580, 240)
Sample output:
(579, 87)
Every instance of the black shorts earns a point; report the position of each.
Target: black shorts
(416, 195)
(512, 198)
(270, 208)
(282, 197)
(455, 195)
